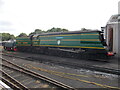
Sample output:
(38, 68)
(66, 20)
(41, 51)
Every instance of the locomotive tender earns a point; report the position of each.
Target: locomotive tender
(84, 44)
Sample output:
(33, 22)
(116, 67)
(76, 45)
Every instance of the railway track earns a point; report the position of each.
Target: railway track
(69, 76)
(14, 84)
(21, 78)
(75, 65)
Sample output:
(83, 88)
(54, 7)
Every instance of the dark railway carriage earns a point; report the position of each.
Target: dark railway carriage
(88, 44)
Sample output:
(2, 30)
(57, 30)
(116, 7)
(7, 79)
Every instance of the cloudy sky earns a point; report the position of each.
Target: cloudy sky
(18, 16)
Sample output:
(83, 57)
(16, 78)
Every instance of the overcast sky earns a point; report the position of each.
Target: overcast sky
(18, 16)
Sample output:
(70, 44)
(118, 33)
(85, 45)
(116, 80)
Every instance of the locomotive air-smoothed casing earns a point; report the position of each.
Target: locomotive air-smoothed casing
(90, 42)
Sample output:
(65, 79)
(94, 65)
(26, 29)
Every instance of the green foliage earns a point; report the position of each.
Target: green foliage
(57, 30)
(22, 35)
(37, 31)
(83, 29)
(6, 36)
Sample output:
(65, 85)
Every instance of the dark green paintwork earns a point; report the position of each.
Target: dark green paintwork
(80, 40)
(23, 41)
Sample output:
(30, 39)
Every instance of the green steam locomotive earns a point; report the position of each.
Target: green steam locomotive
(81, 44)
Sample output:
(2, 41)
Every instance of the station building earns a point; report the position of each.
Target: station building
(112, 34)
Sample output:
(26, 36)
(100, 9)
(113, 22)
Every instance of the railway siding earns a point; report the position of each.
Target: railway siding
(87, 80)
(50, 82)
(86, 64)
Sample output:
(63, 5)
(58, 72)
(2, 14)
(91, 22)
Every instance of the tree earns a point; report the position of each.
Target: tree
(83, 29)
(37, 31)
(57, 30)
(6, 36)
(22, 35)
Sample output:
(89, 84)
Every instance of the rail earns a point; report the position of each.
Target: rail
(32, 73)
(95, 68)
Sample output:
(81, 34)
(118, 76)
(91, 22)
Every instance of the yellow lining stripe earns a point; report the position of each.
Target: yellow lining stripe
(22, 37)
(48, 40)
(80, 40)
(72, 46)
(71, 40)
(25, 42)
(35, 40)
(67, 35)
(21, 45)
(62, 74)
(22, 40)
(89, 34)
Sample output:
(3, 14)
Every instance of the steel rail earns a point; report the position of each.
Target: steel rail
(10, 84)
(14, 81)
(57, 83)
(95, 68)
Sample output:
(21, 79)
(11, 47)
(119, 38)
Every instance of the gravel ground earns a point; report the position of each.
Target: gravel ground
(70, 76)
(112, 63)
